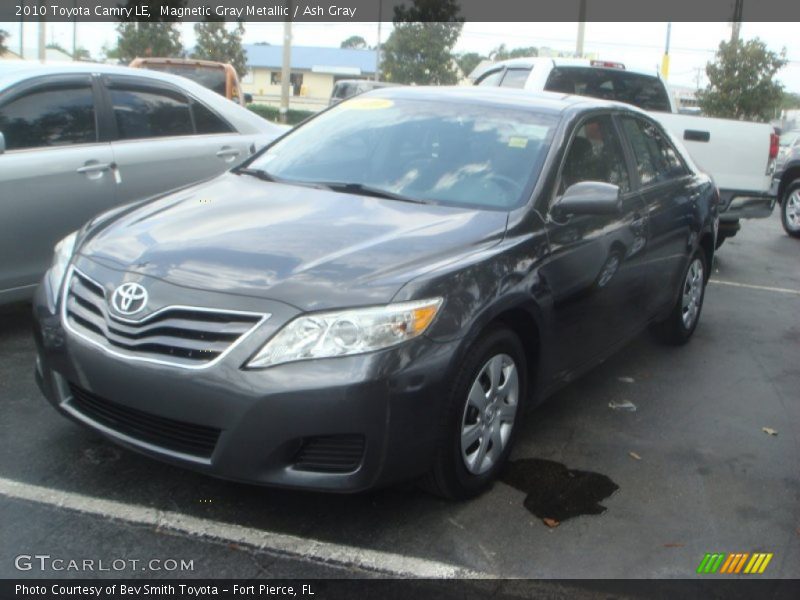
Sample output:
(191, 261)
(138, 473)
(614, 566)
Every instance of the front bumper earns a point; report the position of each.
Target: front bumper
(390, 400)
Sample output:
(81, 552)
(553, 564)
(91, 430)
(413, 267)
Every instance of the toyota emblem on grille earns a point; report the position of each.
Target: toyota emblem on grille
(129, 298)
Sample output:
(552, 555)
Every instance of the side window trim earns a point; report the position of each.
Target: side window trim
(627, 149)
(147, 85)
(194, 100)
(653, 184)
(573, 134)
(47, 82)
(501, 70)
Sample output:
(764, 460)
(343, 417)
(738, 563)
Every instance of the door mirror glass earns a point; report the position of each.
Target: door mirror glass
(2, 143)
(588, 198)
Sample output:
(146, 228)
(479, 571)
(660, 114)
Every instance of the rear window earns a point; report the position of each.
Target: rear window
(212, 78)
(643, 91)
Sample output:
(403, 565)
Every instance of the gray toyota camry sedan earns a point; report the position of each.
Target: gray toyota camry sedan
(381, 293)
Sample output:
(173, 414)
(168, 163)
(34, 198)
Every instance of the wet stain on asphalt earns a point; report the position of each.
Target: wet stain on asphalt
(556, 493)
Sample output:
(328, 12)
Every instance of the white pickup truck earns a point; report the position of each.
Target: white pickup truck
(739, 156)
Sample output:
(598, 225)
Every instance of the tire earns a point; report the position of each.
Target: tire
(459, 473)
(679, 326)
(790, 209)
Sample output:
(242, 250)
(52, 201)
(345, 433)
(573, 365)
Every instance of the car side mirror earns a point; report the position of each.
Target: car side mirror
(2, 143)
(248, 98)
(588, 198)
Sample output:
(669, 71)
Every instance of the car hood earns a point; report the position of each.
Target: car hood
(307, 247)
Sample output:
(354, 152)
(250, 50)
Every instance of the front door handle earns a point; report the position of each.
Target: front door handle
(227, 153)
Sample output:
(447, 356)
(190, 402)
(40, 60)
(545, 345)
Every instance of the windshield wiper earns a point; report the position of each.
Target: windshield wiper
(366, 190)
(260, 173)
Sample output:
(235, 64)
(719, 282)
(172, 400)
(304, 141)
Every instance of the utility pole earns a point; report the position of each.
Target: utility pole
(665, 60)
(22, 31)
(378, 46)
(736, 24)
(581, 28)
(75, 32)
(286, 67)
(42, 35)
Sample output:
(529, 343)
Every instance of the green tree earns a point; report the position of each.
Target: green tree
(215, 42)
(157, 36)
(741, 82)
(467, 61)
(503, 53)
(82, 54)
(420, 49)
(355, 42)
(3, 36)
(790, 100)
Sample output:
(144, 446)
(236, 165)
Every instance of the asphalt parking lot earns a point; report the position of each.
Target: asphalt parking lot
(707, 477)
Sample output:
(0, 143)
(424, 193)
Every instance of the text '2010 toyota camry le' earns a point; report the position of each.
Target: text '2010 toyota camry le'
(379, 294)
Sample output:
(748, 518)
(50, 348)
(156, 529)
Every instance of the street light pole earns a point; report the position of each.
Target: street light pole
(378, 45)
(581, 28)
(286, 68)
(665, 61)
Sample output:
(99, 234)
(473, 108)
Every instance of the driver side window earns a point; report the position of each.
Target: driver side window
(595, 154)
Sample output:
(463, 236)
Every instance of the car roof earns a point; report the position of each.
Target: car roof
(246, 121)
(12, 71)
(542, 102)
(532, 61)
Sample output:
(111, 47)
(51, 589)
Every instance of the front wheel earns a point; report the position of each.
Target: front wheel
(679, 326)
(790, 210)
(479, 422)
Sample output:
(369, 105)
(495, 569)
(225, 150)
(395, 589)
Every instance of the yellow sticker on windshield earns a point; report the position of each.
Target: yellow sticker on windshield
(368, 104)
(517, 142)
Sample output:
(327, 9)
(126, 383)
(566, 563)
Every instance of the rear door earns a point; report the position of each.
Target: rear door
(670, 195)
(164, 139)
(55, 174)
(596, 262)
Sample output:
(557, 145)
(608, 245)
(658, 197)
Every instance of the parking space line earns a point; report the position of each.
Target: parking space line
(755, 287)
(279, 543)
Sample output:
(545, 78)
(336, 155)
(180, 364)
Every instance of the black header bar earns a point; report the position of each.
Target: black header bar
(383, 10)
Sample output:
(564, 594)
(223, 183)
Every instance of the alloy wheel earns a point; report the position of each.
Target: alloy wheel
(489, 414)
(692, 293)
(791, 211)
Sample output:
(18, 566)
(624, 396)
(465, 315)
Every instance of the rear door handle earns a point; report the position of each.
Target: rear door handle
(95, 167)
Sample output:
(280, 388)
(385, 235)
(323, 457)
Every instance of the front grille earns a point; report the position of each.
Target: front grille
(187, 438)
(179, 335)
(330, 453)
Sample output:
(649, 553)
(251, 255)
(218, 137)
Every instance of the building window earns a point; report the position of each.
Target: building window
(248, 77)
(275, 78)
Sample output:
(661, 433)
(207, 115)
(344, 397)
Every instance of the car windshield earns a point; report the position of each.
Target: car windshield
(440, 152)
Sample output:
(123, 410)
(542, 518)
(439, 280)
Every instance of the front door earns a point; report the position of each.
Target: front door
(54, 175)
(595, 264)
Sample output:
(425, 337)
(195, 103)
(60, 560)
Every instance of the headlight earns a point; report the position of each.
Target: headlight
(61, 257)
(346, 332)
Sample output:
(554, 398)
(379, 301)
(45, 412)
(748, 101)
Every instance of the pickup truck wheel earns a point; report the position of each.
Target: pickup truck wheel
(679, 326)
(481, 417)
(790, 210)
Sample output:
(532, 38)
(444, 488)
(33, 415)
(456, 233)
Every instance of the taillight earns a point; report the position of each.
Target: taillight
(774, 145)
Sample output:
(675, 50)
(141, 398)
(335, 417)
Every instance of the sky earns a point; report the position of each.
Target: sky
(692, 45)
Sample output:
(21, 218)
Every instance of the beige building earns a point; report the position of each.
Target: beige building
(313, 71)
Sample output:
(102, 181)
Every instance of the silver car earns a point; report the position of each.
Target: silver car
(78, 139)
